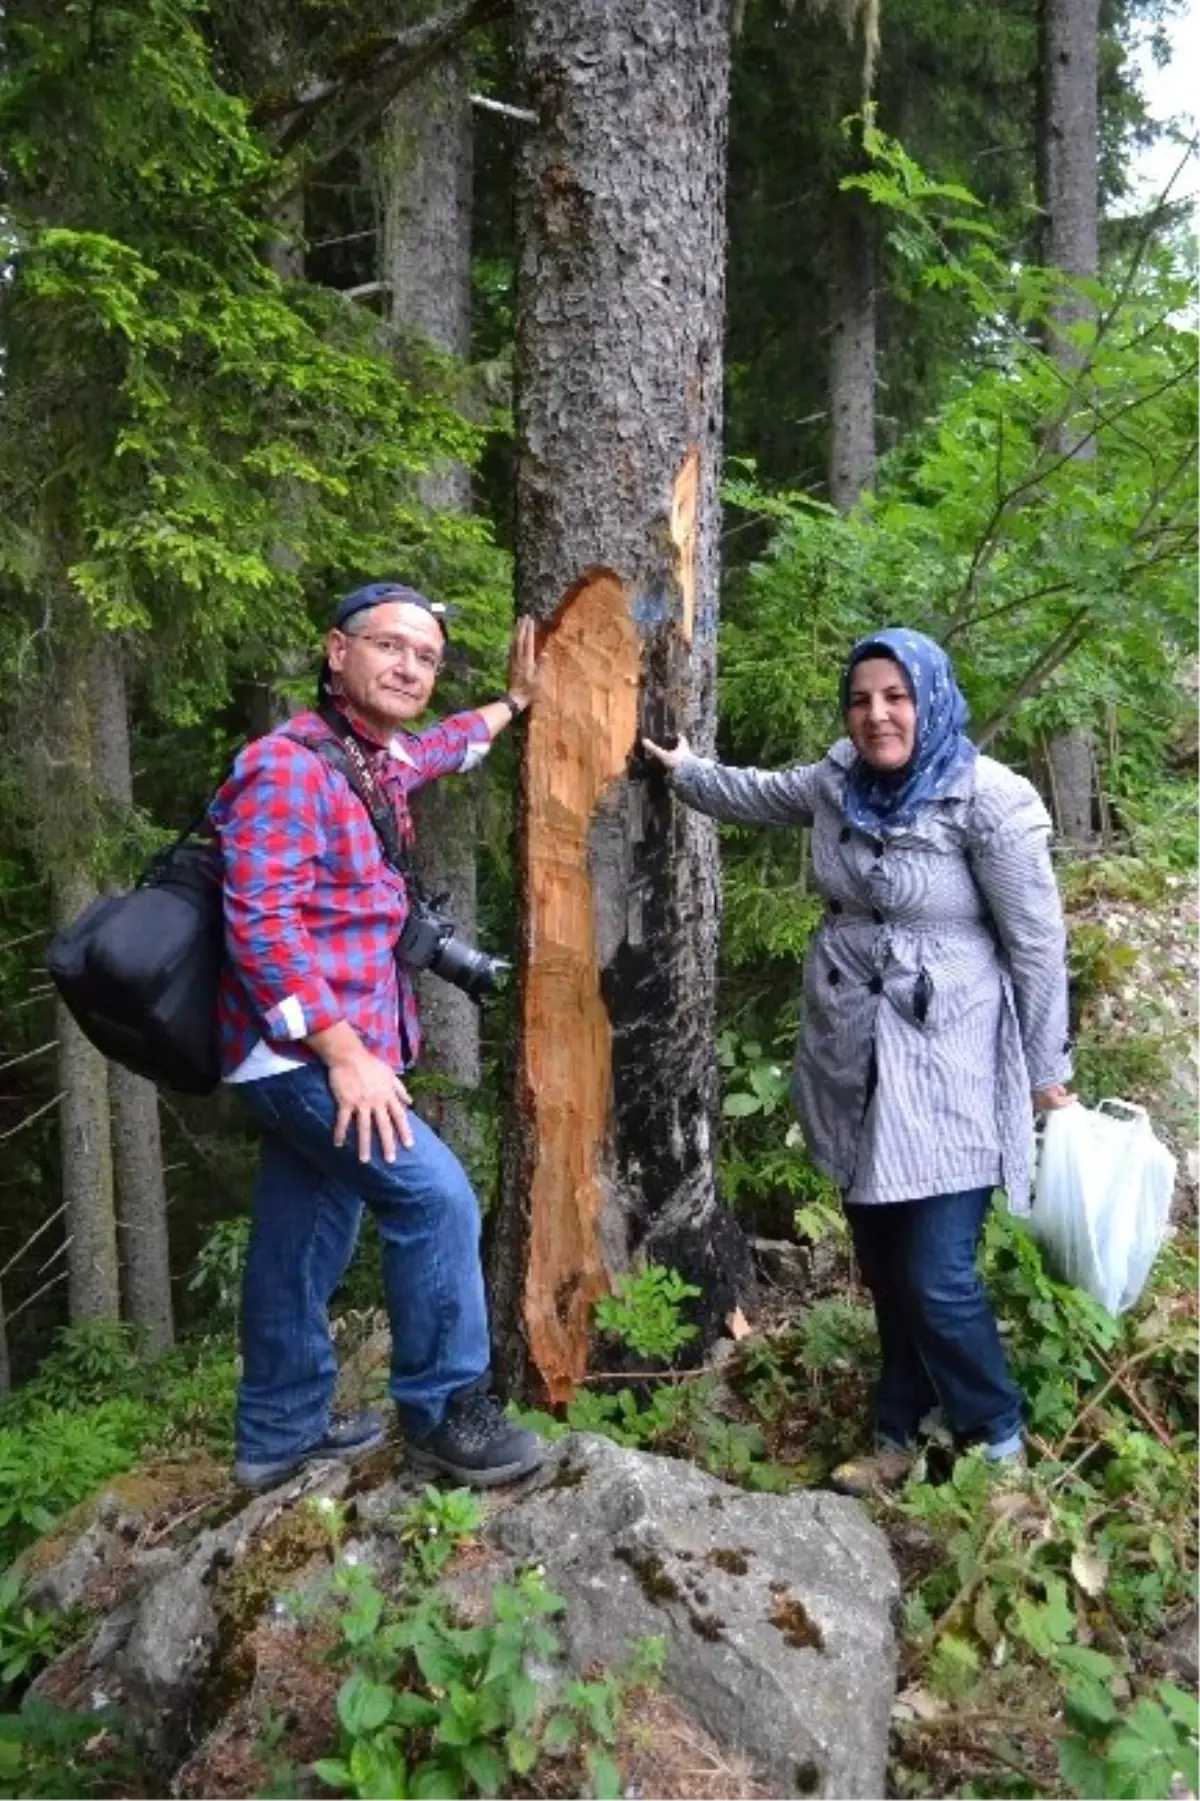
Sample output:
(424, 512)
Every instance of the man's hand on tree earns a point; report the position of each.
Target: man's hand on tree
(523, 663)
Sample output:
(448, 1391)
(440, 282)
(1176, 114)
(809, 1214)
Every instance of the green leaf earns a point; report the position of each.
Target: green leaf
(363, 1704)
(605, 1777)
(522, 1753)
(332, 1771)
(434, 1781)
(486, 1768)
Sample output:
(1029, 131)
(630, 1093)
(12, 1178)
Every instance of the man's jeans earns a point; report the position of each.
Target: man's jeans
(937, 1331)
(307, 1210)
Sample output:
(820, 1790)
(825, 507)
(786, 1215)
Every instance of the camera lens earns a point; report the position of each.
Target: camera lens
(474, 971)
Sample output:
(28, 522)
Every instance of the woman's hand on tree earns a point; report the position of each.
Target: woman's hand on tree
(1048, 1100)
(670, 759)
(523, 669)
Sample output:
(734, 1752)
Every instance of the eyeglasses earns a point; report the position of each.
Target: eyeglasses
(394, 650)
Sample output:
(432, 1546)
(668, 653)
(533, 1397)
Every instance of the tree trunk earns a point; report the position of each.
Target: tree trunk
(133, 1101)
(621, 216)
(87, 1171)
(1068, 157)
(851, 351)
(425, 174)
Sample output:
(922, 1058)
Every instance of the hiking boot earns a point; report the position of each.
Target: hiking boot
(872, 1475)
(475, 1443)
(345, 1439)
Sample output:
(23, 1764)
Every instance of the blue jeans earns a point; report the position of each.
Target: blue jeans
(937, 1331)
(307, 1210)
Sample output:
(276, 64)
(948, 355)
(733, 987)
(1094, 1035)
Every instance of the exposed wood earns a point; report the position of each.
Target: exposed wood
(580, 736)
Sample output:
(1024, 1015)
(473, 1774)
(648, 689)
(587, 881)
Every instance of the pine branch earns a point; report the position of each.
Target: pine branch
(370, 73)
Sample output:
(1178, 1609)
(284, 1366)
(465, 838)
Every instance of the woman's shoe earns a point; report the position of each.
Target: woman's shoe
(872, 1475)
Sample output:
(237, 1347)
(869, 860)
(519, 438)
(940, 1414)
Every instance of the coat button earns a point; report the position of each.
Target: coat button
(845, 835)
(835, 976)
(877, 846)
(877, 916)
(876, 984)
(835, 906)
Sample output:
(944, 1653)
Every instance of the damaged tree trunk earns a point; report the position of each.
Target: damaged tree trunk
(425, 180)
(621, 198)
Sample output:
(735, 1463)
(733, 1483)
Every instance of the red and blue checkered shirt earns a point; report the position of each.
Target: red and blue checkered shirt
(312, 907)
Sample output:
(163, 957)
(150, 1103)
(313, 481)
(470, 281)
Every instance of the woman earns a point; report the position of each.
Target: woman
(935, 1011)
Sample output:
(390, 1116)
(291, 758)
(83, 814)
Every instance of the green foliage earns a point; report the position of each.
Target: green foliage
(50, 1753)
(62, 1459)
(220, 1263)
(1141, 1752)
(434, 1708)
(90, 1363)
(643, 1312)
(28, 1636)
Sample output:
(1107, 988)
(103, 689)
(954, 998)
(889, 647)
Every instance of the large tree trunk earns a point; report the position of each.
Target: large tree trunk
(619, 407)
(1068, 146)
(851, 350)
(425, 170)
(67, 790)
(133, 1102)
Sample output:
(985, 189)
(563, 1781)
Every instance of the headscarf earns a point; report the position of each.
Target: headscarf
(881, 801)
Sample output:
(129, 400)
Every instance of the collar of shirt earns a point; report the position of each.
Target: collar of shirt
(394, 746)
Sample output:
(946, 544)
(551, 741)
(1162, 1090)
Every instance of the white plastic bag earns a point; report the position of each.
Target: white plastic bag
(1103, 1192)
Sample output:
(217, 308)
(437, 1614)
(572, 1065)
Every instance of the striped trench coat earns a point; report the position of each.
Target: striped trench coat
(935, 993)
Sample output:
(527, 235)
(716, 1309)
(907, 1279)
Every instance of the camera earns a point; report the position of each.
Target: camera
(428, 942)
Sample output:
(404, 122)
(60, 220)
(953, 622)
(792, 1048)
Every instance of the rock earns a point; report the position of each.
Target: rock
(1174, 1655)
(776, 1609)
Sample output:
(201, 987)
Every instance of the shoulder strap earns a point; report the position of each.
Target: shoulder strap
(343, 752)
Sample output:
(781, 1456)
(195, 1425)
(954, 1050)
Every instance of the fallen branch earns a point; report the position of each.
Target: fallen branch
(1115, 1380)
(50, 1045)
(31, 1241)
(30, 1117)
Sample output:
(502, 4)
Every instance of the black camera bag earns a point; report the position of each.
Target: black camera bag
(139, 970)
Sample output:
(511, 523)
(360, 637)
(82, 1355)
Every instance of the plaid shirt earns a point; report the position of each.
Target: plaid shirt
(312, 908)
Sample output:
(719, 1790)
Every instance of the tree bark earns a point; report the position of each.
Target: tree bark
(141, 1201)
(851, 351)
(621, 220)
(1068, 155)
(425, 177)
(93, 1286)
(1068, 158)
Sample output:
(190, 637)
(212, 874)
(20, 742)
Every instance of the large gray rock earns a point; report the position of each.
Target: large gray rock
(776, 1609)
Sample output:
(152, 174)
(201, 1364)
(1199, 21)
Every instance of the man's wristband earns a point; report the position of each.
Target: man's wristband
(514, 706)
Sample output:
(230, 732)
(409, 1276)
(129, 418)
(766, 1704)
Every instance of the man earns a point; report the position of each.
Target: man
(318, 1026)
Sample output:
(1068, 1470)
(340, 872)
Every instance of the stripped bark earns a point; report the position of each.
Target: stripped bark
(621, 197)
(1068, 158)
(425, 176)
(141, 1202)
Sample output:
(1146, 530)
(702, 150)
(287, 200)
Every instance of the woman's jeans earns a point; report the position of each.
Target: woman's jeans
(937, 1331)
(307, 1210)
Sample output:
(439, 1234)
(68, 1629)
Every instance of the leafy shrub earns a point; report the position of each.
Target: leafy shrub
(47, 1470)
(46, 1751)
(643, 1312)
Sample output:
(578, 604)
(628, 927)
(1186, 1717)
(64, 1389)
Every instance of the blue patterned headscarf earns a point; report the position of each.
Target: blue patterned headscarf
(877, 801)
